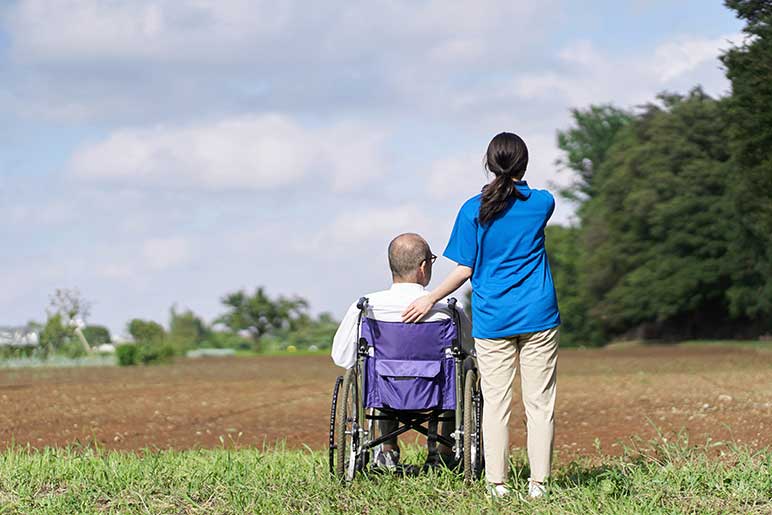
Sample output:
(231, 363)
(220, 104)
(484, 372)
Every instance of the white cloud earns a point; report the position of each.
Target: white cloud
(588, 75)
(148, 60)
(164, 253)
(190, 30)
(117, 271)
(352, 231)
(246, 152)
(224, 30)
(675, 58)
(456, 177)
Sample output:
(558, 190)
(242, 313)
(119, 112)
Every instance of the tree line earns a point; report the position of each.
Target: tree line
(253, 322)
(673, 231)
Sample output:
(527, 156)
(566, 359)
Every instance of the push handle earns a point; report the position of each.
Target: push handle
(456, 343)
(362, 342)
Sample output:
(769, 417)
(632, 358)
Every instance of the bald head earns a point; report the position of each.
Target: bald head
(406, 253)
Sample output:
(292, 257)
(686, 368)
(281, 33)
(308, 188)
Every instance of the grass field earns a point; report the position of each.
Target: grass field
(658, 477)
(187, 438)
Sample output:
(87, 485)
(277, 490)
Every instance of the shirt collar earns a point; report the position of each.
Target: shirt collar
(522, 187)
(407, 287)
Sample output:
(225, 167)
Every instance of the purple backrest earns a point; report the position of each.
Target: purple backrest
(398, 340)
(408, 367)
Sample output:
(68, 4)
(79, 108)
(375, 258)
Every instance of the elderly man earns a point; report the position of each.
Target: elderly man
(410, 260)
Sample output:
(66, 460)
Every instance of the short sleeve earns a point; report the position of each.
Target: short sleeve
(462, 247)
(551, 205)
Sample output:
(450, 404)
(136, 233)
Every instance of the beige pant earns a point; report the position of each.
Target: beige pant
(497, 361)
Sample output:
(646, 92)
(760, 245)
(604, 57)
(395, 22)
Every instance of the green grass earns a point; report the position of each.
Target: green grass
(656, 477)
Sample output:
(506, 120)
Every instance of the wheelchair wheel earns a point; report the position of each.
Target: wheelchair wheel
(346, 429)
(473, 452)
(333, 412)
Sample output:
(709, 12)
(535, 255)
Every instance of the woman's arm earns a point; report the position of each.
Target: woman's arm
(421, 306)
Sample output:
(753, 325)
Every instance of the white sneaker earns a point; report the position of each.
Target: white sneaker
(387, 460)
(498, 491)
(536, 489)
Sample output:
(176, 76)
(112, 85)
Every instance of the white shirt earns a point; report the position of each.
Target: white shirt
(388, 306)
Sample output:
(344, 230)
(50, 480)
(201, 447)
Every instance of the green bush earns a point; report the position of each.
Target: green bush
(72, 348)
(226, 340)
(150, 353)
(145, 353)
(18, 352)
(127, 354)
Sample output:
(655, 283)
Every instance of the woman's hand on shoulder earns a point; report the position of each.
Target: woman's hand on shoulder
(418, 309)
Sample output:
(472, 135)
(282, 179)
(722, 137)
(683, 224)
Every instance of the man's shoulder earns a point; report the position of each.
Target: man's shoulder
(374, 296)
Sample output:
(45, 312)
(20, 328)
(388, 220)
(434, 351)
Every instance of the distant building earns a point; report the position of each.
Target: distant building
(105, 348)
(18, 337)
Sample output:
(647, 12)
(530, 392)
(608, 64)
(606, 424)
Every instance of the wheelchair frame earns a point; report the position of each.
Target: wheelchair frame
(351, 432)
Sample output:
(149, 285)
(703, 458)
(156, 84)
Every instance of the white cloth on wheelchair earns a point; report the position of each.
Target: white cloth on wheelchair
(388, 306)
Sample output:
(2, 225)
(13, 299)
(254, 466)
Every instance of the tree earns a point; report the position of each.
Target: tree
(55, 335)
(586, 144)
(307, 331)
(655, 235)
(186, 329)
(585, 147)
(150, 341)
(96, 335)
(260, 315)
(577, 327)
(468, 302)
(749, 68)
(144, 331)
(70, 304)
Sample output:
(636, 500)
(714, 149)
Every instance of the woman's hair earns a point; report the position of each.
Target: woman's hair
(507, 159)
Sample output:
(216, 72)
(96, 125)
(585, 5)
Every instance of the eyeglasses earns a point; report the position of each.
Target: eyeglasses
(433, 258)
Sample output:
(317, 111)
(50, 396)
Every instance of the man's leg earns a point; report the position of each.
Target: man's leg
(496, 361)
(538, 372)
(446, 429)
(438, 453)
(388, 454)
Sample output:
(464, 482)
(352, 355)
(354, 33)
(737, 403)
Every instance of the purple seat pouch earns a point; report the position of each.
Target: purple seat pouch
(408, 385)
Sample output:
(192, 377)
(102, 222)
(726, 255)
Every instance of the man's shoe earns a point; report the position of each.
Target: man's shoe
(387, 460)
(498, 491)
(536, 489)
(441, 460)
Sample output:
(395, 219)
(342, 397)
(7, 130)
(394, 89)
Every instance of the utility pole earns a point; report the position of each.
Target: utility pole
(78, 325)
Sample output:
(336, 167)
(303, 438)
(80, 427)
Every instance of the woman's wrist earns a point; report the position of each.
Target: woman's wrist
(434, 297)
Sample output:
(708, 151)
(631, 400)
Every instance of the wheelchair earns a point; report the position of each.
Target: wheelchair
(409, 374)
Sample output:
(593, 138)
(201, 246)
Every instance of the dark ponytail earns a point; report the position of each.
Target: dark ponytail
(507, 159)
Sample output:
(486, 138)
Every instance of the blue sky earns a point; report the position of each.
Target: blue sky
(161, 152)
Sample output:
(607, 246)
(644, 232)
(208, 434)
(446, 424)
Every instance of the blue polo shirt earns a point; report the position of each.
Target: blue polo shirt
(512, 284)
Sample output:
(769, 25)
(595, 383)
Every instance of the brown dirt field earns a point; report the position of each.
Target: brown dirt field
(610, 394)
